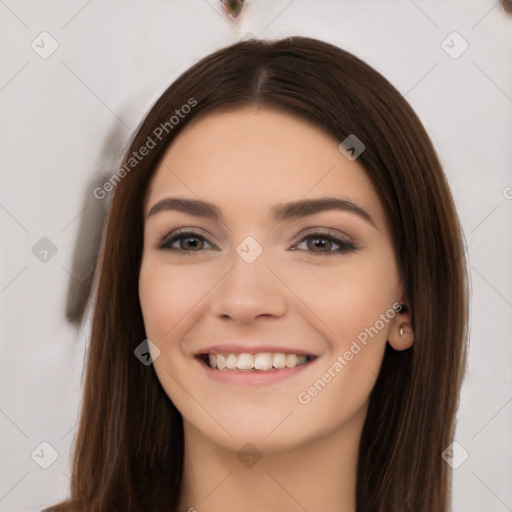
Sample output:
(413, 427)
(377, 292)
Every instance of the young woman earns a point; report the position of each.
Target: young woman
(283, 247)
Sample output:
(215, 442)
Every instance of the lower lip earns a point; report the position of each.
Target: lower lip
(252, 378)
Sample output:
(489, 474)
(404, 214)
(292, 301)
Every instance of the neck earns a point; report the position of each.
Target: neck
(318, 476)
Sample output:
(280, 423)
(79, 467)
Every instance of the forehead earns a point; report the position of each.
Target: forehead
(255, 157)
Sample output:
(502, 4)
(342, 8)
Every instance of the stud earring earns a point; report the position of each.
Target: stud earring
(401, 330)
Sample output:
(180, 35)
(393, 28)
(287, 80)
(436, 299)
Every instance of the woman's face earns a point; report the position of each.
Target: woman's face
(250, 263)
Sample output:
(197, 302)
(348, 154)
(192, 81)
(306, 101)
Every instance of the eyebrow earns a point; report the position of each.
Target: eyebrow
(281, 212)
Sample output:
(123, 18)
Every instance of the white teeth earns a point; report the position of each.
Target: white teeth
(231, 361)
(250, 362)
(263, 361)
(245, 362)
(291, 361)
(279, 360)
(221, 361)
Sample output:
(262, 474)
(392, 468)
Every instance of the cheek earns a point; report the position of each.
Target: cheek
(162, 298)
(348, 297)
(170, 294)
(355, 305)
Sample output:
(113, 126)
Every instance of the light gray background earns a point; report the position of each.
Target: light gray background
(66, 119)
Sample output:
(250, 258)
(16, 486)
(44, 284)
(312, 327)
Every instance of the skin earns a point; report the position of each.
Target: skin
(245, 161)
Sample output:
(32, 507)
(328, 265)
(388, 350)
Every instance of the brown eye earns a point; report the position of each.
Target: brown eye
(322, 244)
(185, 241)
(191, 242)
(326, 244)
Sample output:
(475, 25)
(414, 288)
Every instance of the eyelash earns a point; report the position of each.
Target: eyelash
(344, 245)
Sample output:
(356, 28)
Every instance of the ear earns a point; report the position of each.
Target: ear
(401, 336)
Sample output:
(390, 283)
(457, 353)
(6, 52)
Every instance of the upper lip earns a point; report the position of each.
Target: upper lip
(232, 348)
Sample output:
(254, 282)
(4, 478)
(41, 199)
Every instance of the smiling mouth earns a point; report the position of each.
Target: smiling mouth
(265, 361)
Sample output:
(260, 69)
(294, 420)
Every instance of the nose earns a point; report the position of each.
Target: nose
(248, 291)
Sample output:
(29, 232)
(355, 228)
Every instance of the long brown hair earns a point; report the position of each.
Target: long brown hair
(129, 448)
